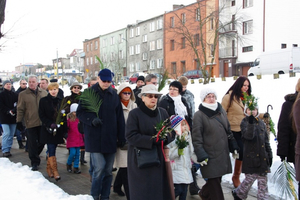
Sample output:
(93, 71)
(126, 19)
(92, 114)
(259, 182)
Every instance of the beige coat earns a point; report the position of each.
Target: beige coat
(121, 155)
(28, 107)
(235, 112)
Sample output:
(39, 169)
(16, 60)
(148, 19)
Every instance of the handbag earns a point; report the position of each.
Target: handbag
(146, 157)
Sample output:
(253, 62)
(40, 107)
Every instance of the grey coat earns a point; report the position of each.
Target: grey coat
(210, 141)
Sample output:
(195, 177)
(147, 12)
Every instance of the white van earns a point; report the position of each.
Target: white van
(277, 62)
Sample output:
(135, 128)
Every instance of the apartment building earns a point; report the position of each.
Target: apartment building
(145, 46)
(77, 60)
(91, 50)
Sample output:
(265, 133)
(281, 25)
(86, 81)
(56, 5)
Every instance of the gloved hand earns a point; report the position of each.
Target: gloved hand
(270, 161)
(12, 113)
(96, 122)
(53, 126)
(282, 158)
(20, 126)
(266, 115)
(204, 162)
(235, 155)
(251, 119)
(158, 143)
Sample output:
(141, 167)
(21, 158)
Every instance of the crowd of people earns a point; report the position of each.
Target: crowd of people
(150, 137)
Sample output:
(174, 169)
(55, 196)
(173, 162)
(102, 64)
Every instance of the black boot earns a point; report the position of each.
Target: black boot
(21, 146)
(69, 168)
(235, 196)
(76, 170)
(82, 161)
(194, 188)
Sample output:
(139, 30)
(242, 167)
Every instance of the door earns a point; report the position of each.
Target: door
(226, 74)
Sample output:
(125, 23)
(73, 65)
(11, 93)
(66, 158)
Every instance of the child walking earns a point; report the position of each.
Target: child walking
(74, 140)
(181, 153)
(257, 154)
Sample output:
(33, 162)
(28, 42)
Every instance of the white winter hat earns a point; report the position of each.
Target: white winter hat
(205, 91)
(73, 107)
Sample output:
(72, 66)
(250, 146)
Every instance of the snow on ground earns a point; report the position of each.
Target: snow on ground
(25, 183)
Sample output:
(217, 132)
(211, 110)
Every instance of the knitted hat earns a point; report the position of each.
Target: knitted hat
(105, 75)
(73, 107)
(176, 84)
(54, 80)
(140, 78)
(175, 120)
(205, 91)
(6, 81)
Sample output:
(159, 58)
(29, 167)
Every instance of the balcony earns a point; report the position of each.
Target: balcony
(227, 52)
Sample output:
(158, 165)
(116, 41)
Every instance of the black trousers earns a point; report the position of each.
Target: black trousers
(238, 138)
(212, 189)
(34, 147)
(122, 179)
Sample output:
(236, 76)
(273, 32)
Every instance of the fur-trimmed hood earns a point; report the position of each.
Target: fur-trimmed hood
(125, 85)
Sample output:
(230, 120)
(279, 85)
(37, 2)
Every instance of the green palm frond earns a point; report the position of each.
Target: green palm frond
(101, 63)
(284, 179)
(162, 82)
(90, 100)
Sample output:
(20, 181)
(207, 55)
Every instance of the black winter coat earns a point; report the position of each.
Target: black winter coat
(20, 90)
(73, 98)
(167, 103)
(48, 110)
(8, 101)
(104, 138)
(286, 136)
(257, 149)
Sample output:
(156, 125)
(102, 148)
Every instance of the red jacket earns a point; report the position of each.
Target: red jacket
(75, 139)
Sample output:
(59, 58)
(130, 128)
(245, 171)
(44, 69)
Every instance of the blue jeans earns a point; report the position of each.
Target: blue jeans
(74, 156)
(102, 174)
(8, 136)
(51, 149)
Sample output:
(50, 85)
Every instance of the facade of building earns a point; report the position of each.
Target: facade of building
(91, 49)
(77, 60)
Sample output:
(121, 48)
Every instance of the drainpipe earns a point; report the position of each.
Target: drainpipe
(264, 18)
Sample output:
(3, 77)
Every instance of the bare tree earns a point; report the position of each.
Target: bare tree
(2, 15)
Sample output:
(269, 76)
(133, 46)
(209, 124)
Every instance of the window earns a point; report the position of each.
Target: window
(121, 54)
(159, 44)
(183, 42)
(152, 26)
(112, 40)
(87, 47)
(183, 19)
(91, 60)
(211, 23)
(144, 38)
(172, 22)
(152, 64)
(197, 39)
(197, 14)
(96, 45)
(247, 3)
(137, 66)
(145, 56)
(248, 49)
(137, 49)
(232, 2)
(152, 45)
(172, 45)
(159, 63)
(131, 66)
(131, 33)
(211, 49)
(104, 42)
(295, 45)
(283, 46)
(87, 61)
(131, 50)
(112, 56)
(137, 31)
(247, 27)
(233, 22)
(183, 68)
(91, 46)
(159, 24)
(121, 38)
(96, 61)
(173, 64)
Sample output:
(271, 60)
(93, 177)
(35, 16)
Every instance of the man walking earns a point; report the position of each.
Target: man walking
(28, 105)
(8, 103)
(150, 79)
(103, 134)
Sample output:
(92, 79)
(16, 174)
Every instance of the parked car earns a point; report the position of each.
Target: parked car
(124, 79)
(134, 77)
(192, 74)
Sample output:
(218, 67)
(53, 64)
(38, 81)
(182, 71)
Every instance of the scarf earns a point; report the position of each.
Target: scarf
(180, 108)
(210, 106)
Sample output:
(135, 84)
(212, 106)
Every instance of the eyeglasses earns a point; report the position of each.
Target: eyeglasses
(173, 89)
(106, 81)
(76, 87)
(154, 83)
(24, 83)
(211, 97)
(126, 93)
(150, 96)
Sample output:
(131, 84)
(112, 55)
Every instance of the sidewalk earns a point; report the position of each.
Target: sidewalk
(75, 184)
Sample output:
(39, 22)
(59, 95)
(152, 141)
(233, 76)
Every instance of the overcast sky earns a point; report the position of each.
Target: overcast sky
(36, 29)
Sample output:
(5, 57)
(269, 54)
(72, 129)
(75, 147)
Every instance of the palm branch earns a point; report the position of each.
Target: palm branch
(90, 100)
(101, 63)
(162, 82)
(284, 179)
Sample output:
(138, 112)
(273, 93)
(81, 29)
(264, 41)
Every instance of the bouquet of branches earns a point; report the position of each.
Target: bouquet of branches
(90, 100)
(163, 129)
(250, 101)
(181, 142)
(61, 114)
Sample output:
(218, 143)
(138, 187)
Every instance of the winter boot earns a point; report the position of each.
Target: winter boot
(49, 170)
(21, 146)
(235, 196)
(194, 188)
(76, 170)
(82, 161)
(53, 165)
(236, 173)
(69, 168)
